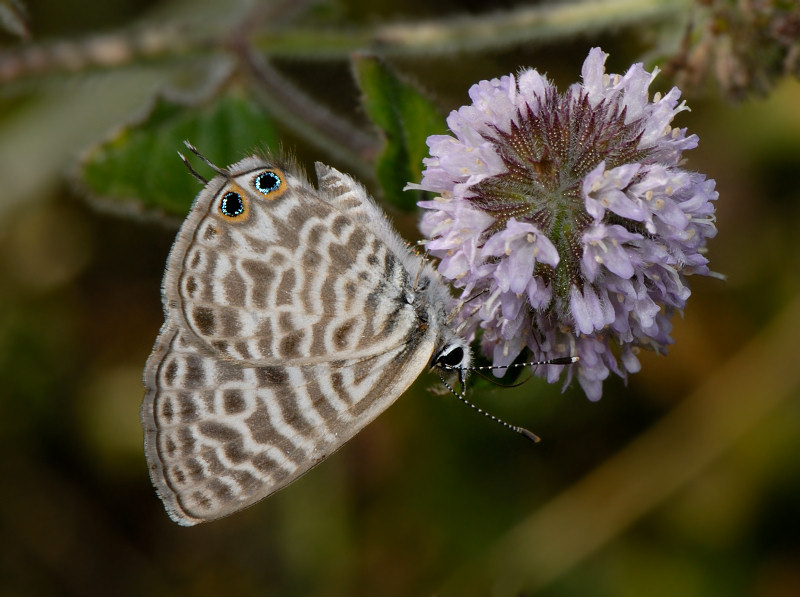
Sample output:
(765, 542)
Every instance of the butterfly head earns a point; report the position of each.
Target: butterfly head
(454, 356)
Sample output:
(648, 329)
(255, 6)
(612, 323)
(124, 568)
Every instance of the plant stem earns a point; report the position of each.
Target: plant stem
(524, 25)
(314, 121)
(528, 24)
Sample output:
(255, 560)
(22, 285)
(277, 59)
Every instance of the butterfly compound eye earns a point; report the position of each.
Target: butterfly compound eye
(267, 182)
(451, 358)
(232, 205)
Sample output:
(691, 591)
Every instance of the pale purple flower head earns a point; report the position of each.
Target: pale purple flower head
(570, 217)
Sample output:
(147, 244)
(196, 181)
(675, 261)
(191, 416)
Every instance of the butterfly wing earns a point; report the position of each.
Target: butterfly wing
(220, 437)
(290, 326)
(300, 277)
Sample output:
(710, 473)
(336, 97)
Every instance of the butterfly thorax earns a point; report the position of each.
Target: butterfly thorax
(436, 299)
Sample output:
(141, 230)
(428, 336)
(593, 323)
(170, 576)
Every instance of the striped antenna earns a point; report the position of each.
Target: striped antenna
(515, 428)
(209, 163)
(556, 361)
(460, 395)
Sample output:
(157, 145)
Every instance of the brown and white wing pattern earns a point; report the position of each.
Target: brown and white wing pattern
(294, 316)
(219, 436)
(294, 278)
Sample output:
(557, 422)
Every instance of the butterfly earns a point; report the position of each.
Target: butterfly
(294, 315)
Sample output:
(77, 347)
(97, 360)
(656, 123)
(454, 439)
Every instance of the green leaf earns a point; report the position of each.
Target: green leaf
(406, 118)
(139, 163)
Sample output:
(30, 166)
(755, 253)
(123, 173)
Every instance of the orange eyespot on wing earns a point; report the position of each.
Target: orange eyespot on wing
(233, 204)
(270, 183)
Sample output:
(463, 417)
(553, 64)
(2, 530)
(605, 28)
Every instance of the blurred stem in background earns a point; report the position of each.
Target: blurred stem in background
(557, 537)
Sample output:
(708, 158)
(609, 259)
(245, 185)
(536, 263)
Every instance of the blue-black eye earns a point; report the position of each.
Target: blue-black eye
(267, 182)
(231, 204)
(451, 359)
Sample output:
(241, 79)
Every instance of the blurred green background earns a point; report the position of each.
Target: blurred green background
(685, 481)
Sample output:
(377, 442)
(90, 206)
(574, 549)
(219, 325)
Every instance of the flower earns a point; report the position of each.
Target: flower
(567, 219)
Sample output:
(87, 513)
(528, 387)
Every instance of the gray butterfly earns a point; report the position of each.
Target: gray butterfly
(294, 316)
